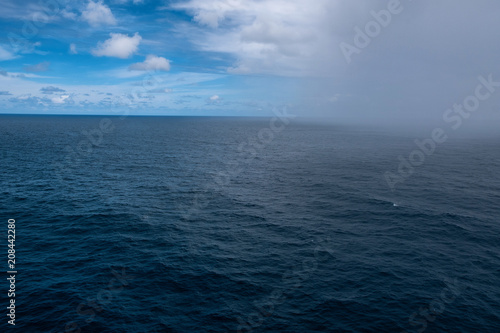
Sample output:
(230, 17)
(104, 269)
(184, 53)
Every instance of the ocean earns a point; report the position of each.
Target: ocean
(213, 224)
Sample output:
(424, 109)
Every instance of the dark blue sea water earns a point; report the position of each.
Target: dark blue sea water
(238, 224)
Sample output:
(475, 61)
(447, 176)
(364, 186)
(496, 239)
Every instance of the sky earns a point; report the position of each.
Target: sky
(367, 61)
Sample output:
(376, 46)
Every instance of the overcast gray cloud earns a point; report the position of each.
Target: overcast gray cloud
(427, 58)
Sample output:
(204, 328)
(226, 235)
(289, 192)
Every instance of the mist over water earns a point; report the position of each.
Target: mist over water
(227, 224)
(403, 64)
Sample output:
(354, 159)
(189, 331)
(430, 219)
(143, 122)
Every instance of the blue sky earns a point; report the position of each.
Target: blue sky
(244, 57)
(151, 57)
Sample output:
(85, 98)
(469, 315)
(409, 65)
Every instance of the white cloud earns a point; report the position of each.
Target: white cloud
(6, 55)
(214, 100)
(98, 14)
(152, 63)
(211, 13)
(119, 46)
(67, 14)
(59, 99)
(209, 18)
(275, 37)
(72, 48)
